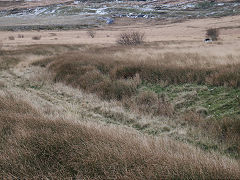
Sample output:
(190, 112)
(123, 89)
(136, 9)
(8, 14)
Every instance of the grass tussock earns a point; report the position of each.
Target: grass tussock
(35, 147)
(101, 76)
(162, 88)
(222, 135)
(149, 102)
(113, 78)
(8, 61)
(225, 130)
(10, 58)
(149, 71)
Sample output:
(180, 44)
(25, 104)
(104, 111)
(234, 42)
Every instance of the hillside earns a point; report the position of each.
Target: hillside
(152, 94)
(27, 15)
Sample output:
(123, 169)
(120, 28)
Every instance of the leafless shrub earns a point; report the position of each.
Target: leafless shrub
(131, 38)
(20, 36)
(213, 34)
(11, 38)
(36, 37)
(91, 33)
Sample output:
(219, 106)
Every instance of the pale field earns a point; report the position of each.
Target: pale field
(185, 37)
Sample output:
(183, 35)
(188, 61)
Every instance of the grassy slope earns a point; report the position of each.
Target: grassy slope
(219, 101)
(135, 157)
(33, 146)
(161, 90)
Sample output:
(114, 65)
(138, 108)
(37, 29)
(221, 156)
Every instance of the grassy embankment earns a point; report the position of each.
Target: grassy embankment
(36, 147)
(178, 86)
(33, 145)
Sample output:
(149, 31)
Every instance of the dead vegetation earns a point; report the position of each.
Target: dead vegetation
(35, 147)
(149, 102)
(91, 33)
(36, 37)
(20, 36)
(225, 131)
(12, 38)
(96, 69)
(113, 78)
(131, 38)
(49, 147)
(213, 34)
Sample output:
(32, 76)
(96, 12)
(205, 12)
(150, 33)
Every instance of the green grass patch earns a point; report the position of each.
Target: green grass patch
(219, 101)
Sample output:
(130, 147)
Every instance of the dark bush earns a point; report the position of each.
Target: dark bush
(213, 34)
(36, 37)
(11, 38)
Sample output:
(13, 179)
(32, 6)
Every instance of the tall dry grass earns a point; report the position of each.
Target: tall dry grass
(102, 75)
(149, 71)
(111, 77)
(33, 147)
(225, 131)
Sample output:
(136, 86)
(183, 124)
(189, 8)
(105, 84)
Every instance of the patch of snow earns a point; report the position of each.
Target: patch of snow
(189, 6)
(76, 2)
(220, 4)
(101, 11)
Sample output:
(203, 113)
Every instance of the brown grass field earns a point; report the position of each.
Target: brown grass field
(77, 107)
(11, 4)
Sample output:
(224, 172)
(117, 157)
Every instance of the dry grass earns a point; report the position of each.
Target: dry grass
(225, 130)
(150, 103)
(35, 143)
(99, 75)
(36, 147)
(112, 77)
(8, 61)
(77, 64)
